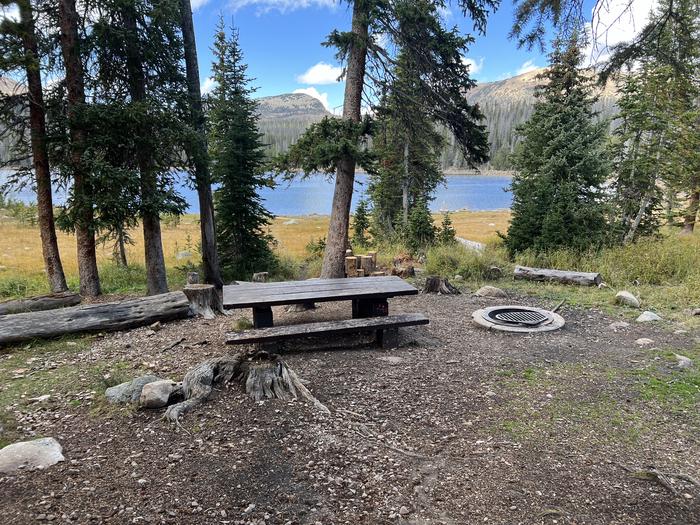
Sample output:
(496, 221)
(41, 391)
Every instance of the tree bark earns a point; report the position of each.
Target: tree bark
(42, 173)
(93, 318)
(85, 227)
(202, 179)
(156, 277)
(39, 303)
(691, 214)
(337, 239)
(120, 250)
(405, 183)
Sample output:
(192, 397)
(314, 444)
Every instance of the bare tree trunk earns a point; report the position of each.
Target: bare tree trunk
(691, 214)
(337, 239)
(85, 227)
(120, 251)
(42, 173)
(156, 278)
(405, 183)
(632, 231)
(210, 257)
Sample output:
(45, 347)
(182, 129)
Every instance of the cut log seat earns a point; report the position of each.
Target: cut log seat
(385, 327)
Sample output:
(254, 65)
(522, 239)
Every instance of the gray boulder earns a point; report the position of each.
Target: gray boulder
(39, 453)
(648, 317)
(157, 393)
(619, 325)
(490, 291)
(683, 361)
(626, 298)
(129, 392)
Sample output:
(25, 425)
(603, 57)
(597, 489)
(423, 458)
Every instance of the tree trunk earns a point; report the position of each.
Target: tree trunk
(629, 236)
(337, 239)
(85, 227)
(120, 250)
(42, 173)
(202, 179)
(405, 183)
(691, 214)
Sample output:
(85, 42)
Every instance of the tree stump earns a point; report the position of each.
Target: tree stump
(204, 300)
(261, 277)
(435, 284)
(265, 376)
(192, 278)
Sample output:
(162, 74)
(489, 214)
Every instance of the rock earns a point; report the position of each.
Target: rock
(683, 361)
(156, 326)
(619, 325)
(183, 255)
(40, 399)
(644, 341)
(695, 312)
(626, 298)
(490, 291)
(157, 393)
(458, 278)
(404, 511)
(39, 453)
(290, 221)
(494, 272)
(392, 360)
(647, 317)
(130, 391)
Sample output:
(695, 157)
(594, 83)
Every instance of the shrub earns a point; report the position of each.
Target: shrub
(449, 260)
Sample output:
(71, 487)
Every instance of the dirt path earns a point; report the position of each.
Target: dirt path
(457, 426)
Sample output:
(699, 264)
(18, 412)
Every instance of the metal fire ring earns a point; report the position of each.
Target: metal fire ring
(519, 319)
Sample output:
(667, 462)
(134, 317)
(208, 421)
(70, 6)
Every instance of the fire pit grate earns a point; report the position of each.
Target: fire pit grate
(521, 319)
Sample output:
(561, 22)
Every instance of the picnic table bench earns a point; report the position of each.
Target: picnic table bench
(370, 307)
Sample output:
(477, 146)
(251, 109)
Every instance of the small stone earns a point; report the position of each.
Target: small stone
(458, 278)
(648, 317)
(490, 393)
(644, 341)
(695, 312)
(627, 299)
(490, 291)
(392, 360)
(142, 482)
(38, 453)
(619, 325)
(40, 399)
(683, 361)
(130, 391)
(157, 393)
(156, 326)
(404, 511)
(250, 508)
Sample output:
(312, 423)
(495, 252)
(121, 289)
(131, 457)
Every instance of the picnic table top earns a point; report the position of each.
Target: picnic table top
(249, 295)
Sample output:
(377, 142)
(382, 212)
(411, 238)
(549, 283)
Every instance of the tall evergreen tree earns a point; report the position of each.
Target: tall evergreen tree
(19, 40)
(561, 164)
(238, 164)
(409, 147)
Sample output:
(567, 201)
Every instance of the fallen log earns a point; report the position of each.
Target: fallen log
(94, 317)
(39, 303)
(559, 276)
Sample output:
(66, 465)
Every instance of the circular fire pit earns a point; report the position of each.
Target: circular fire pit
(519, 319)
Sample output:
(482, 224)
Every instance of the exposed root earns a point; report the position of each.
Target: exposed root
(266, 376)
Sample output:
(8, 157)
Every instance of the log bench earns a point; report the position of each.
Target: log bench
(386, 328)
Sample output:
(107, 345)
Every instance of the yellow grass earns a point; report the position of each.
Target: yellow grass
(20, 245)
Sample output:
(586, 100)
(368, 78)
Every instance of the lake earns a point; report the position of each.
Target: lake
(313, 195)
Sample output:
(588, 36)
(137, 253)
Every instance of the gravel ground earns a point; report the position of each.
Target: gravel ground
(457, 426)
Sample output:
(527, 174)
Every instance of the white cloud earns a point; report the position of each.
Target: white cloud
(207, 86)
(614, 22)
(313, 92)
(11, 12)
(527, 66)
(196, 4)
(321, 73)
(283, 6)
(474, 66)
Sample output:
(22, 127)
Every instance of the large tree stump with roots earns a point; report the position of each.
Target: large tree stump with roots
(435, 284)
(265, 376)
(205, 300)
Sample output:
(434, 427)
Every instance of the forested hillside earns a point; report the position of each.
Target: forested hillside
(506, 104)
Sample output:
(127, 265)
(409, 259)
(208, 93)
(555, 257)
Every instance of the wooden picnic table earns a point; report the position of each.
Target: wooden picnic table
(369, 295)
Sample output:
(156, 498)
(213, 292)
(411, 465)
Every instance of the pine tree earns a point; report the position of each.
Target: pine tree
(238, 164)
(361, 221)
(561, 163)
(409, 147)
(447, 234)
(420, 232)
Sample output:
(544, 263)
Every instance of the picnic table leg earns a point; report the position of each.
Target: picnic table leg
(388, 337)
(262, 317)
(362, 308)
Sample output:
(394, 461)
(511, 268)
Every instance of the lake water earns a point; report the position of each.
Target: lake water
(313, 195)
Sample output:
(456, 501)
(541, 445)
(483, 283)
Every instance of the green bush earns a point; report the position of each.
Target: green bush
(450, 260)
(13, 286)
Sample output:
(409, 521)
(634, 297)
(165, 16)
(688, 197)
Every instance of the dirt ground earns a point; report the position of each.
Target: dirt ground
(457, 426)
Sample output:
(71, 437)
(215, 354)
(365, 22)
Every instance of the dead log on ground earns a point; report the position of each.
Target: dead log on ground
(39, 303)
(94, 317)
(435, 284)
(204, 300)
(265, 376)
(559, 276)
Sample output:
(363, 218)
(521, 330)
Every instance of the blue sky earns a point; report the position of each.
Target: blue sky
(281, 40)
